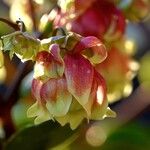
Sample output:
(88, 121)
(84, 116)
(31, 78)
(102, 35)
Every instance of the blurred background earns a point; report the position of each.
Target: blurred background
(130, 130)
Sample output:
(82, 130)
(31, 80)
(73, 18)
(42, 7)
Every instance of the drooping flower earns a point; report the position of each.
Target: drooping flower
(66, 85)
(100, 18)
(119, 70)
(103, 19)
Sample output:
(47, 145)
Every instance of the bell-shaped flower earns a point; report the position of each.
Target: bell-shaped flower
(66, 85)
(119, 70)
(100, 18)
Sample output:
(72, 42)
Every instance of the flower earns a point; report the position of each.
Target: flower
(119, 70)
(100, 18)
(66, 85)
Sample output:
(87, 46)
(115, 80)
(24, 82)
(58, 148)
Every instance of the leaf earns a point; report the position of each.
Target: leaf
(40, 137)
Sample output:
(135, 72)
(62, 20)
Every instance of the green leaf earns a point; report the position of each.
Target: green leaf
(41, 137)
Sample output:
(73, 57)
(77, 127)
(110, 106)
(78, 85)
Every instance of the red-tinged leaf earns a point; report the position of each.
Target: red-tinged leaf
(93, 49)
(79, 76)
(58, 99)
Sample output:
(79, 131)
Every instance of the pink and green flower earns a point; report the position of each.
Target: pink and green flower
(66, 86)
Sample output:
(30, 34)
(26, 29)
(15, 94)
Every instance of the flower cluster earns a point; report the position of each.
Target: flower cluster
(106, 20)
(119, 70)
(66, 85)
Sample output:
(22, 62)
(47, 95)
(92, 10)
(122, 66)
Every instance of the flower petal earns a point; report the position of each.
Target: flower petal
(55, 51)
(48, 66)
(96, 50)
(79, 76)
(58, 99)
(100, 105)
(36, 87)
(32, 111)
(110, 113)
(73, 118)
(75, 115)
(38, 111)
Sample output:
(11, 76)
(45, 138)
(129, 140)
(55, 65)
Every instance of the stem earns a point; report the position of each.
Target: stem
(57, 30)
(11, 24)
(21, 25)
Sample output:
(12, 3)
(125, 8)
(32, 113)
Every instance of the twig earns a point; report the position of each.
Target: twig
(11, 24)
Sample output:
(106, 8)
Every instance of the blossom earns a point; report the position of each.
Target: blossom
(100, 18)
(66, 85)
(107, 22)
(119, 70)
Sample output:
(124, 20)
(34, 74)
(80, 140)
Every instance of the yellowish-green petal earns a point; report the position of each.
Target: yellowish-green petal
(38, 111)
